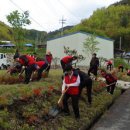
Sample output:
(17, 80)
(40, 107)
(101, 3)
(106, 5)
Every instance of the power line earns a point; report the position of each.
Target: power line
(29, 16)
(68, 10)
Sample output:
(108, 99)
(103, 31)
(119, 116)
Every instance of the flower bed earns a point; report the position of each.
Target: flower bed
(24, 106)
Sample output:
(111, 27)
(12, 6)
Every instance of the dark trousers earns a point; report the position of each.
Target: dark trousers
(28, 72)
(128, 74)
(121, 68)
(111, 88)
(63, 65)
(48, 68)
(44, 67)
(109, 67)
(93, 70)
(75, 102)
(88, 84)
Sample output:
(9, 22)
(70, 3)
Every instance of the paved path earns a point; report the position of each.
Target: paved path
(118, 116)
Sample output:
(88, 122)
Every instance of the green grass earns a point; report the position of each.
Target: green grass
(21, 114)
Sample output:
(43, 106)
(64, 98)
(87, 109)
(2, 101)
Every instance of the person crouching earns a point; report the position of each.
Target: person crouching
(110, 80)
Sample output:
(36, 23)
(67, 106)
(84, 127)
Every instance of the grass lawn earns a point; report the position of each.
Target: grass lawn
(22, 107)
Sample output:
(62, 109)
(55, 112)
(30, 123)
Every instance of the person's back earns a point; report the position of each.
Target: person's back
(85, 81)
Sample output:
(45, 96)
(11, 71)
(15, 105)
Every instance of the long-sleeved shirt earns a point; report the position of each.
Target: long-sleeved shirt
(72, 82)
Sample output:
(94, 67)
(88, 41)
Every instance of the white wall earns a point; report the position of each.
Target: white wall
(75, 41)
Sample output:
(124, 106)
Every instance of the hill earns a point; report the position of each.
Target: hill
(5, 32)
(56, 33)
(112, 22)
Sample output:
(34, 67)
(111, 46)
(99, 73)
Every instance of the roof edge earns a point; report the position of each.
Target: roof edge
(109, 39)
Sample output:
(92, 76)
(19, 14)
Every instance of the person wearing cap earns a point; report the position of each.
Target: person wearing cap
(66, 61)
(28, 64)
(110, 80)
(48, 60)
(70, 89)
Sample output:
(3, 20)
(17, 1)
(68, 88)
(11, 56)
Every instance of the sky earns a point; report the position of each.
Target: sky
(46, 15)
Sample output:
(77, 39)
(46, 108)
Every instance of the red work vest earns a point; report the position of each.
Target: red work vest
(73, 90)
(40, 63)
(67, 59)
(49, 58)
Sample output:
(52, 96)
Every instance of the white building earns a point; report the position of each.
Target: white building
(75, 41)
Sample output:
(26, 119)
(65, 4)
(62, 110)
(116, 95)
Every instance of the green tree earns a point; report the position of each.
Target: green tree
(18, 21)
(90, 45)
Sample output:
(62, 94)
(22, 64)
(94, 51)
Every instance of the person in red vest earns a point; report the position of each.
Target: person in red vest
(120, 67)
(71, 82)
(67, 60)
(41, 66)
(110, 80)
(109, 65)
(29, 65)
(48, 60)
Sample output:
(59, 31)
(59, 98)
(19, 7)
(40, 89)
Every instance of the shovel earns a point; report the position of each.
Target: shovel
(60, 101)
(53, 112)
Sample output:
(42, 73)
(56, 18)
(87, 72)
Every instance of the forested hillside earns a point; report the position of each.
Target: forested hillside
(33, 35)
(5, 32)
(112, 22)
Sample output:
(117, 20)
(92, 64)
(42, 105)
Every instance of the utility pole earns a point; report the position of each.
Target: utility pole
(120, 44)
(36, 42)
(62, 21)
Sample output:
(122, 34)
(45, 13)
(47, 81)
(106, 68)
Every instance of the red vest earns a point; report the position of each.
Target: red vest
(110, 79)
(27, 60)
(49, 58)
(67, 59)
(73, 90)
(128, 72)
(109, 62)
(40, 63)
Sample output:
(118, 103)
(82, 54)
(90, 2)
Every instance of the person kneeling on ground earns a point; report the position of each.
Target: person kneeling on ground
(110, 80)
(70, 89)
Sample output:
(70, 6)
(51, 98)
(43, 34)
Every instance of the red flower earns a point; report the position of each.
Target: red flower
(51, 88)
(37, 92)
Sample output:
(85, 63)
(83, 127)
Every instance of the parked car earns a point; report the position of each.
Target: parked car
(3, 61)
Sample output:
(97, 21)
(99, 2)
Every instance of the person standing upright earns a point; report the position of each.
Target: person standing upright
(94, 64)
(48, 60)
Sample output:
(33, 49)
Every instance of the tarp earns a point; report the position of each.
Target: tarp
(28, 45)
(8, 45)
